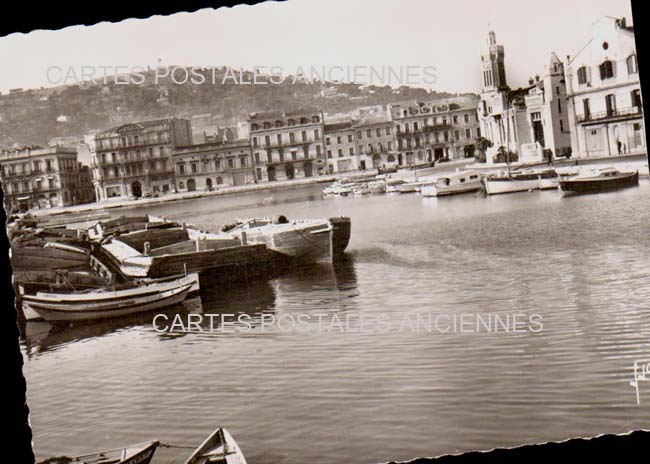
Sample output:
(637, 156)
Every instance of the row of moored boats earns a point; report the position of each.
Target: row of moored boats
(127, 265)
(492, 183)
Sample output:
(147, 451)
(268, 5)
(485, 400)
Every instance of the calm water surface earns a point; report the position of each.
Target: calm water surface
(366, 395)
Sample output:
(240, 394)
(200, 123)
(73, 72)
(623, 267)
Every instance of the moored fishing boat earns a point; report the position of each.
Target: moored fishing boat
(140, 453)
(361, 189)
(409, 187)
(219, 448)
(30, 282)
(460, 182)
(520, 181)
(393, 185)
(339, 188)
(130, 298)
(377, 186)
(304, 241)
(600, 180)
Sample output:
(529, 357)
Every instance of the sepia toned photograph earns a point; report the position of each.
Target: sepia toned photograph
(328, 231)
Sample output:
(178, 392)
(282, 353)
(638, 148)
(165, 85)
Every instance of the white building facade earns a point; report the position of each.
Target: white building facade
(604, 94)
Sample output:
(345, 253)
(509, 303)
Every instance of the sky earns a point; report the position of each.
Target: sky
(444, 36)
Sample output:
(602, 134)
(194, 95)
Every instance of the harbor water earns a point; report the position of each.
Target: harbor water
(359, 394)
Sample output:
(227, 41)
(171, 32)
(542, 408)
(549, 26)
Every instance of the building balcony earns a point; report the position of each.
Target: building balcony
(424, 130)
(609, 116)
(286, 160)
(277, 144)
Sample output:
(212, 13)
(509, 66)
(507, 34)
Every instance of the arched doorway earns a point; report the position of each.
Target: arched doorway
(208, 184)
(136, 189)
(376, 161)
(191, 185)
(271, 173)
(290, 171)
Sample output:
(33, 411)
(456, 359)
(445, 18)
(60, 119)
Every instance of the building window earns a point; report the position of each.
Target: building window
(610, 104)
(329, 153)
(340, 153)
(607, 70)
(339, 139)
(632, 65)
(257, 158)
(583, 75)
(586, 109)
(242, 161)
(636, 99)
(349, 138)
(351, 151)
(327, 141)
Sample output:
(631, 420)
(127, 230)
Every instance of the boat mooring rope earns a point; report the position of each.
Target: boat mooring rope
(169, 445)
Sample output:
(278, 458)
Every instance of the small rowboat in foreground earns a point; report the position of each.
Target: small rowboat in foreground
(108, 302)
(219, 448)
(140, 453)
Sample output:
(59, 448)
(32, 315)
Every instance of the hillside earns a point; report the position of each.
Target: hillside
(36, 116)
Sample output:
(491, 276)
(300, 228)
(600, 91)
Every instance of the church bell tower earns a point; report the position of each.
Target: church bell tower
(494, 70)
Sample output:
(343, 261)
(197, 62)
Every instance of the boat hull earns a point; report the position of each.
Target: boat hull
(80, 307)
(440, 191)
(499, 186)
(133, 454)
(219, 448)
(580, 186)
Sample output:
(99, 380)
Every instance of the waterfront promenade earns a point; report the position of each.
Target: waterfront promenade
(629, 162)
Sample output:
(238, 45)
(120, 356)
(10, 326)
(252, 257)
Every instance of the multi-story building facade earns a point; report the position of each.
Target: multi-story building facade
(287, 145)
(44, 177)
(604, 93)
(340, 147)
(377, 147)
(135, 159)
(208, 166)
(430, 131)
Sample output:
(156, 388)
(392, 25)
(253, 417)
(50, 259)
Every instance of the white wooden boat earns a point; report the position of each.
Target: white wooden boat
(521, 181)
(460, 182)
(600, 180)
(140, 453)
(377, 186)
(393, 185)
(108, 302)
(219, 448)
(360, 190)
(410, 187)
(339, 188)
(305, 241)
